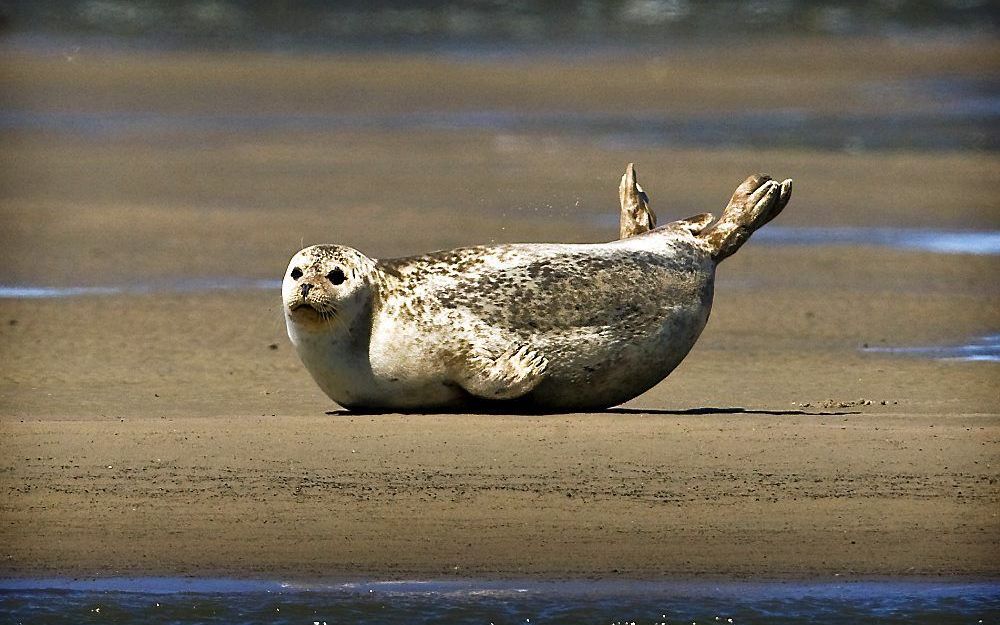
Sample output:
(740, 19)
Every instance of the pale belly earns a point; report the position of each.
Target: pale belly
(352, 380)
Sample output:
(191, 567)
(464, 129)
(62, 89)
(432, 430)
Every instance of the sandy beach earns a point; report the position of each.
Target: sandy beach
(170, 429)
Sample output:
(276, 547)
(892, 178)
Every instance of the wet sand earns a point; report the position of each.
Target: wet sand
(176, 433)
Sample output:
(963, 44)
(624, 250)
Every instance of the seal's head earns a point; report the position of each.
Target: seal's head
(326, 286)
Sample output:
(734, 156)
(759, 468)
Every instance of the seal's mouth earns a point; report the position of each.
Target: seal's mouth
(308, 311)
(305, 311)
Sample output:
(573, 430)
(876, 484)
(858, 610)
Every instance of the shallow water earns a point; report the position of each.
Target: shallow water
(982, 349)
(185, 285)
(478, 27)
(190, 600)
(911, 239)
(967, 124)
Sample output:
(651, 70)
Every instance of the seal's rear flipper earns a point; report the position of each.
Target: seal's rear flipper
(636, 215)
(508, 376)
(757, 201)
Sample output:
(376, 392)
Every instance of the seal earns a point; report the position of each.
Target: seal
(530, 327)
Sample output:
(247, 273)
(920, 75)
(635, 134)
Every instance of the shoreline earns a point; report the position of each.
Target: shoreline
(155, 584)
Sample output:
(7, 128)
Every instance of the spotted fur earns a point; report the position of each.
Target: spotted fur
(540, 327)
(611, 320)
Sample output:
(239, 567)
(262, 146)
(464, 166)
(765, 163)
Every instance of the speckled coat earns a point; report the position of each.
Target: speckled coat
(537, 327)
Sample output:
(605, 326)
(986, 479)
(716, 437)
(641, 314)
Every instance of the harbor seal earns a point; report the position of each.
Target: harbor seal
(520, 327)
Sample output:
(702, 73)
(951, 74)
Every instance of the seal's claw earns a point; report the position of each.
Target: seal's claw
(786, 194)
(748, 186)
(764, 200)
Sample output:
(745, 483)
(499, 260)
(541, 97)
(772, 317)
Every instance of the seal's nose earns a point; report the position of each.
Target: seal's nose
(305, 289)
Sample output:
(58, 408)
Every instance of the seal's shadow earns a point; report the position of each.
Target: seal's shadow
(343, 412)
(730, 410)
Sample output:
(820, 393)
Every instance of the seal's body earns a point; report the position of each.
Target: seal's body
(541, 327)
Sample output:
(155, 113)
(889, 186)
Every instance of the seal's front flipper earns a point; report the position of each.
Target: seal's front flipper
(508, 376)
(636, 215)
(757, 201)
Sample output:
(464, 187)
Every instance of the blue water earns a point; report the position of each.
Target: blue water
(967, 125)
(186, 600)
(965, 118)
(498, 23)
(982, 349)
(909, 239)
(187, 285)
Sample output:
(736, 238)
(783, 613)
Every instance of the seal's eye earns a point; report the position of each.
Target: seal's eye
(296, 273)
(336, 276)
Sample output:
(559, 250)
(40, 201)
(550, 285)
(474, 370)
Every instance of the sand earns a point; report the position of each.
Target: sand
(175, 432)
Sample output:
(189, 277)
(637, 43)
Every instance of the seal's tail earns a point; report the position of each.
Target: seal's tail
(757, 201)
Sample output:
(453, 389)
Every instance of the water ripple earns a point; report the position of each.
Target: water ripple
(971, 127)
(173, 600)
